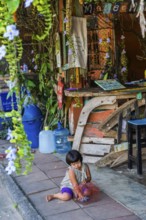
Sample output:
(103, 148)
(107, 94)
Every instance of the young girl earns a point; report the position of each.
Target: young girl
(76, 181)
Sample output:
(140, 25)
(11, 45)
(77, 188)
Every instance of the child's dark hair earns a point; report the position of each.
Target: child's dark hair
(73, 156)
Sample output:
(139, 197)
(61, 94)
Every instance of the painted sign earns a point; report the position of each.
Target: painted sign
(88, 8)
(114, 8)
(109, 84)
(107, 8)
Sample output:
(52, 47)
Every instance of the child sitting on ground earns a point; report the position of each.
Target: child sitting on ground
(76, 182)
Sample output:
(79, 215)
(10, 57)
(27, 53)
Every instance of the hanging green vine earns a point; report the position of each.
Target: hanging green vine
(19, 155)
(44, 8)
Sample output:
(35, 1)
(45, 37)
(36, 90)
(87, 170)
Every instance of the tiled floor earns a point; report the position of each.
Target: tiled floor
(118, 199)
(47, 173)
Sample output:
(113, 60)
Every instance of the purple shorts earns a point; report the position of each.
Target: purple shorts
(67, 190)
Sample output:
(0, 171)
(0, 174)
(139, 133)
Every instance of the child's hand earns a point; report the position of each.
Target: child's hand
(80, 196)
(78, 193)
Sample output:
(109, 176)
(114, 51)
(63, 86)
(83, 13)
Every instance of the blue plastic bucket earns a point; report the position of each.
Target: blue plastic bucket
(33, 122)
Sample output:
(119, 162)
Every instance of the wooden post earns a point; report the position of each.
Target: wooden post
(61, 6)
(77, 75)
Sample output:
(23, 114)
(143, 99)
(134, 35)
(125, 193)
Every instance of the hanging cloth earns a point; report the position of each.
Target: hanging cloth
(78, 57)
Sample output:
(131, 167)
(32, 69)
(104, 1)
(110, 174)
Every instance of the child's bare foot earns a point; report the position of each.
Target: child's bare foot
(49, 198)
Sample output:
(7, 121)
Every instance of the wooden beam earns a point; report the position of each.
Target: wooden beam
(99, 117)
(112, 120)
(61, 7)
(94, 140)
(95, 149)
(109, 159)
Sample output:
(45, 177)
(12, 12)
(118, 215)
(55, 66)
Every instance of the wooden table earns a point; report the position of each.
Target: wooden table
(97, 92)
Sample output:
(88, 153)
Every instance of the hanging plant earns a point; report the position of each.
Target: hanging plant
(19, 155)
(44, 8)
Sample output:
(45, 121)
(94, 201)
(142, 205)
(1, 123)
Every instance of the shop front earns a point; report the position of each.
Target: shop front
(104, 73)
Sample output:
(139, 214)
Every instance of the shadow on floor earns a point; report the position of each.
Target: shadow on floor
(123, 169)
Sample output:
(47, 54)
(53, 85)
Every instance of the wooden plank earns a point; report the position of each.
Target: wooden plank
(113, 119)
(124, 158)
(113, 134)
(99, 116)
(95, 149)
(120, 94)
(113, 106)
(121, 147)
(61, 7)
(94, 140)
(119, 132)
(107, 124)
(91, 130)
(129, 90)
(91, 104)
(90, 159)
(112, 158)
(120, 160)
(108, 159)
(98, 94)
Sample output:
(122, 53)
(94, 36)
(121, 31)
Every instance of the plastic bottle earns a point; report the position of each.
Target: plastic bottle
(46, 141)
(62, 144)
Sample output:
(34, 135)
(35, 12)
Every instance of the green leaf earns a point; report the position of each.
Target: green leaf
(2, 29)
(31, 84)
(35, 2)
(12, 5)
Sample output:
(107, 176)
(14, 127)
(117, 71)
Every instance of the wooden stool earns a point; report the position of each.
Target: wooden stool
(136, 125)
